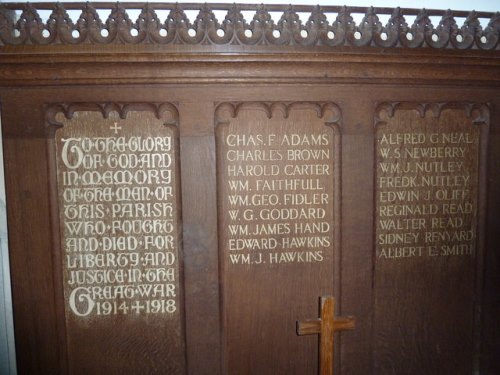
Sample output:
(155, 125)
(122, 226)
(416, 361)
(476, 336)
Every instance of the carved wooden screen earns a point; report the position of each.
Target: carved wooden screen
(234, 29)
(181, 190)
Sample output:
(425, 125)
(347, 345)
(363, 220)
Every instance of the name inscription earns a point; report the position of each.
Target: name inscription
(118, 214)
(277, 196)
(426, 187)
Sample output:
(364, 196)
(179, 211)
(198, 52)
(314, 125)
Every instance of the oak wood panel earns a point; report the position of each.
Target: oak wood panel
(358, 104)
(37, 324)
(269, 267)
(355, 292)
(321, 68)
(136, 316)
(201, 272)
(425, 287)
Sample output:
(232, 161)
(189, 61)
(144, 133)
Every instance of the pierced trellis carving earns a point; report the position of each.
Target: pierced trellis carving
(20, 24)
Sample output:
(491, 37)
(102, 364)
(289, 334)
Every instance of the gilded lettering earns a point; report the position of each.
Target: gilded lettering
(276, 197)
(426, 193)
(117, 211)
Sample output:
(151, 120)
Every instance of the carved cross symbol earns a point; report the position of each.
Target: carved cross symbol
(325, 326)
(115, 127)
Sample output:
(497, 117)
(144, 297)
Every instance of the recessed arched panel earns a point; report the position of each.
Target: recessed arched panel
(278, 168)
(429, 246)
(118, 258)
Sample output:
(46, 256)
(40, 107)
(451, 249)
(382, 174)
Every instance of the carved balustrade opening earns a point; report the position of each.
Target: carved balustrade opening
(306, 26)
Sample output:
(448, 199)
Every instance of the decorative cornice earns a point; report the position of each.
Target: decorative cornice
(20, 24)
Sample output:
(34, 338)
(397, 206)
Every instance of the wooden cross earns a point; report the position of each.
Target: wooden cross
(325, 326)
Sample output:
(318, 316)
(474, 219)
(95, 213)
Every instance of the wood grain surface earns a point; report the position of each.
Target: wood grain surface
(413, 315)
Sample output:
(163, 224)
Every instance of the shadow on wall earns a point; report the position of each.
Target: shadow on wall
(7, 347)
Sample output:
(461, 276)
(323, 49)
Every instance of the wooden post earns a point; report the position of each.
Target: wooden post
(325, 326)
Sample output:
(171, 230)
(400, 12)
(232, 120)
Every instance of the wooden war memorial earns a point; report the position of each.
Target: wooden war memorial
(186, 181)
